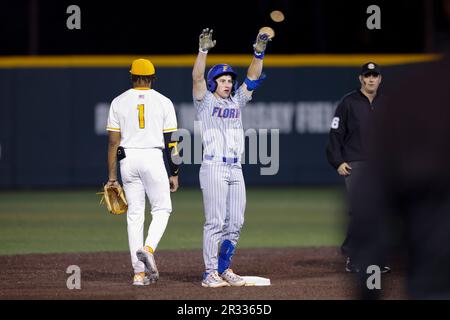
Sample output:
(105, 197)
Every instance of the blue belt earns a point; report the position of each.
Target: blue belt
(224, 159)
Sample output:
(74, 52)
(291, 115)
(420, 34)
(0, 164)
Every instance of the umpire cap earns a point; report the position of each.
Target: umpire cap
(142, 67)
(370, 67)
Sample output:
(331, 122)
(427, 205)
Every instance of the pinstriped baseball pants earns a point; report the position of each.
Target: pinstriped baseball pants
(224, 201)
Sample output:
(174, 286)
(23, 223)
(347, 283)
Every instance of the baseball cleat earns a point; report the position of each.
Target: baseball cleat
(213, 280)
(351, 267)
(232, 278)
(150, 265)
(140, 279)
(385, 269)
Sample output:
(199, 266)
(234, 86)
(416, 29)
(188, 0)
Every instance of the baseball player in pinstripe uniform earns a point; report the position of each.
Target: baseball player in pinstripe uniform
(140, 125)
(218, 101)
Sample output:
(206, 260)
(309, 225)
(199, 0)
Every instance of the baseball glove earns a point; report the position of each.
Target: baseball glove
(114, 199)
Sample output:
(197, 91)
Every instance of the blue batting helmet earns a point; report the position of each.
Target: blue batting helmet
(217, 71)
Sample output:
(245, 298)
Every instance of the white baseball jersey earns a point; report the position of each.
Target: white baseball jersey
(142, 116)
(221, 124)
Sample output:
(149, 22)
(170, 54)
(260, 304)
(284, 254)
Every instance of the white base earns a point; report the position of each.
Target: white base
(256, 281)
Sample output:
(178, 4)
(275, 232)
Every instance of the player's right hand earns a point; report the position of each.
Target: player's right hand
(112, 183)
(344, 169)
(173, 181)
(205, 40)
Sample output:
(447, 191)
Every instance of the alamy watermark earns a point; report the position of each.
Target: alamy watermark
(74, 20)
(374, 20)
(74, 280)
(374, 280)
(263, 146)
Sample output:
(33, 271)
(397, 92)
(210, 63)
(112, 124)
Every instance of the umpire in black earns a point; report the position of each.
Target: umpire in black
(348, 141)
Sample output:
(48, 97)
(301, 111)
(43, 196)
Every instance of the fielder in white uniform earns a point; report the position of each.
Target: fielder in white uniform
(219, 101)
(140, 124)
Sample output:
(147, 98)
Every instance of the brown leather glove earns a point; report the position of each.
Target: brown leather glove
(114, 199)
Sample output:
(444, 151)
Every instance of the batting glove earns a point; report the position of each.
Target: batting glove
(260, 45)
(205, 41)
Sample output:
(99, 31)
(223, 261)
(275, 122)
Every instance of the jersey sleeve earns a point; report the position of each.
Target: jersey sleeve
(337, 135)
(170, 118)
(113, 123)
(201, 104)
(242, 97)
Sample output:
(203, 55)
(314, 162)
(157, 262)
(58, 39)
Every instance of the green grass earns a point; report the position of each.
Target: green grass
(73, 221)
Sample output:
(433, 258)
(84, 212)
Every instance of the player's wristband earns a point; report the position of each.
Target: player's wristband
(259, 55)
(172, 154)
(174, 169)
(202, 51)
(174, 172)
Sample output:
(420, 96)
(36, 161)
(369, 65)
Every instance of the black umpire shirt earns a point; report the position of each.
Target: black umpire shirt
(349, 126)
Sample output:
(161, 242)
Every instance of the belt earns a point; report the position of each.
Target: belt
(224, 159)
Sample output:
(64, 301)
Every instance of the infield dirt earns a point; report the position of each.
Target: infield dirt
(295, 273)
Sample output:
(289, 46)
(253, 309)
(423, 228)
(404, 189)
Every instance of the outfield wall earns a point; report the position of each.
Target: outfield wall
(53, 113)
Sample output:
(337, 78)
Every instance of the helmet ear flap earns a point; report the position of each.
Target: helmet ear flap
(211, 85)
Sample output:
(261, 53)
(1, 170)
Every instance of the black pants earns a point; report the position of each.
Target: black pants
(350, 184)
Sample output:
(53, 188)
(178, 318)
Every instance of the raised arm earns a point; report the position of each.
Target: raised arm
(254, 71)
(198, 72)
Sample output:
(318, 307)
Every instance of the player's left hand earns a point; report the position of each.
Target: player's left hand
(261, 43)
(173, 181)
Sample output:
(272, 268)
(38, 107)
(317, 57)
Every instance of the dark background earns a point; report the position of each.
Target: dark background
(47, 113)
(168, 27)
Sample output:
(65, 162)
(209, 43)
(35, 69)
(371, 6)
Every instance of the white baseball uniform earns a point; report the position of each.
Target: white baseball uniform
(221, 178)
(142, 115)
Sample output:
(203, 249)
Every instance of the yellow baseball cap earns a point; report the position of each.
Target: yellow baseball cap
(142, 67)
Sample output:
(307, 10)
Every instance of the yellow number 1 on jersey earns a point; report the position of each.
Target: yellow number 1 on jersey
(141, 116)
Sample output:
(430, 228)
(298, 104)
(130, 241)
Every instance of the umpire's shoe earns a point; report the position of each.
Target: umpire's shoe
(351, 267)
(148, 259)
(385, 269)
(232, 278)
